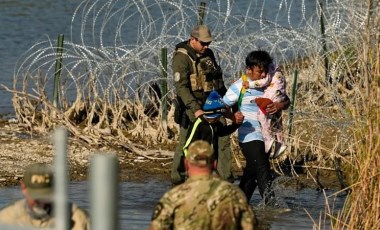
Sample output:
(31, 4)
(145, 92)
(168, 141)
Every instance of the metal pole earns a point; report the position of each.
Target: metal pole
(292, 102)
(57, 73)
(201, 13)
(61, 207)
(324, 46)
(104, 192)
(164, 87)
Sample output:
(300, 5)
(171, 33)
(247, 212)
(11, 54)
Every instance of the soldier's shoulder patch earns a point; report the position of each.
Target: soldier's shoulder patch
(157, 210)
(177, 76)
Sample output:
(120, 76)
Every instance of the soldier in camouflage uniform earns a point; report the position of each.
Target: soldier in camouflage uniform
(203, 201)
(36, 210)
(196, 74)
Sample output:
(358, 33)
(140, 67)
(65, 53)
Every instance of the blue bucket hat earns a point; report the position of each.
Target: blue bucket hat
(214, 106)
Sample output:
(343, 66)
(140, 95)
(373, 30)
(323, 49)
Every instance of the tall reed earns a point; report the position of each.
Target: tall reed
(362, 167)
(362, 208)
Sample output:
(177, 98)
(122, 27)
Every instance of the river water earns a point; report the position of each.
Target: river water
(25, 22)
(137, 201)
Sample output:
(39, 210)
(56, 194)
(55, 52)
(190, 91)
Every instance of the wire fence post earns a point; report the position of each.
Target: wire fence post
(57, 73)
(292, 102)
(324, 46)
(164, 84)
(201, 13)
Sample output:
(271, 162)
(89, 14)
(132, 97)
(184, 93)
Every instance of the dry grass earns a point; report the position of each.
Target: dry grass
(362, 209)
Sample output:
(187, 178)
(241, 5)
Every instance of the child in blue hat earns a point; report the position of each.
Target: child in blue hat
(209, 127)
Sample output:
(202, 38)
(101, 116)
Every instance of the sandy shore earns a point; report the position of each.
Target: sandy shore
(19, 148)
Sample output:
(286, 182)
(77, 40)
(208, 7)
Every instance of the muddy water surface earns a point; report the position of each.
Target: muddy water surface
(137, 201)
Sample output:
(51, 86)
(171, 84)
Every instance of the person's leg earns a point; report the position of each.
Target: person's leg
(248, 187)
(178, 174)
(262, 170)
(224, 157)
(266, 131)
(248, 181)
(279, 129)
(280, 146)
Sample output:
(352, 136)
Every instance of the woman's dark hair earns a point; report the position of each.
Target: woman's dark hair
(259, 58)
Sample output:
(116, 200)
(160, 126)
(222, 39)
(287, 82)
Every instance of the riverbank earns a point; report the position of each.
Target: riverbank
(18, 148)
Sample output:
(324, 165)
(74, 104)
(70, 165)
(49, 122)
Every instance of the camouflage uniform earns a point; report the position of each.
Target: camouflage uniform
(37, 187)
(203, 202)
(188, 65)
(17, 214)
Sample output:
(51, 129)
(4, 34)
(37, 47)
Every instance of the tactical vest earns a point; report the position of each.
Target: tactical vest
(203, 77)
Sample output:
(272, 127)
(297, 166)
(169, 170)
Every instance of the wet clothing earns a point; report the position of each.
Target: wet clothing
(17, 214)
(257, 170)
(195, 76)
(203, 202)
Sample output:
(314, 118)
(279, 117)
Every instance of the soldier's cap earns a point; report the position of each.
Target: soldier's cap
(202, 33)
(38, 179)
(200, 153)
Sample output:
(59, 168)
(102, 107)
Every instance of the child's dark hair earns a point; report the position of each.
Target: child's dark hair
(259, 58)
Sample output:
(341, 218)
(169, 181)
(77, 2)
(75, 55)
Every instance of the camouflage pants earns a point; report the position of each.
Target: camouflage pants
(178, 174)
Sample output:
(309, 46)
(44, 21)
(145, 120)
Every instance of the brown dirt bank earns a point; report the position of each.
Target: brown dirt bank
(18, 148)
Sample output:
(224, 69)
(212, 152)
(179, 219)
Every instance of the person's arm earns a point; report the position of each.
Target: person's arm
(234, 115)
(193, 133)
(246, 215)
(181, 69)
(225, 130)
(80, 219)
(261, 82)
(230, 99)
(278, 106)
(217, 74)
(280, 85)
(163, 215)
(232, 95)
(248, 218)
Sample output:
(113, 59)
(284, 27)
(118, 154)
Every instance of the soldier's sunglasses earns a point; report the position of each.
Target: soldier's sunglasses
(203, 43)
